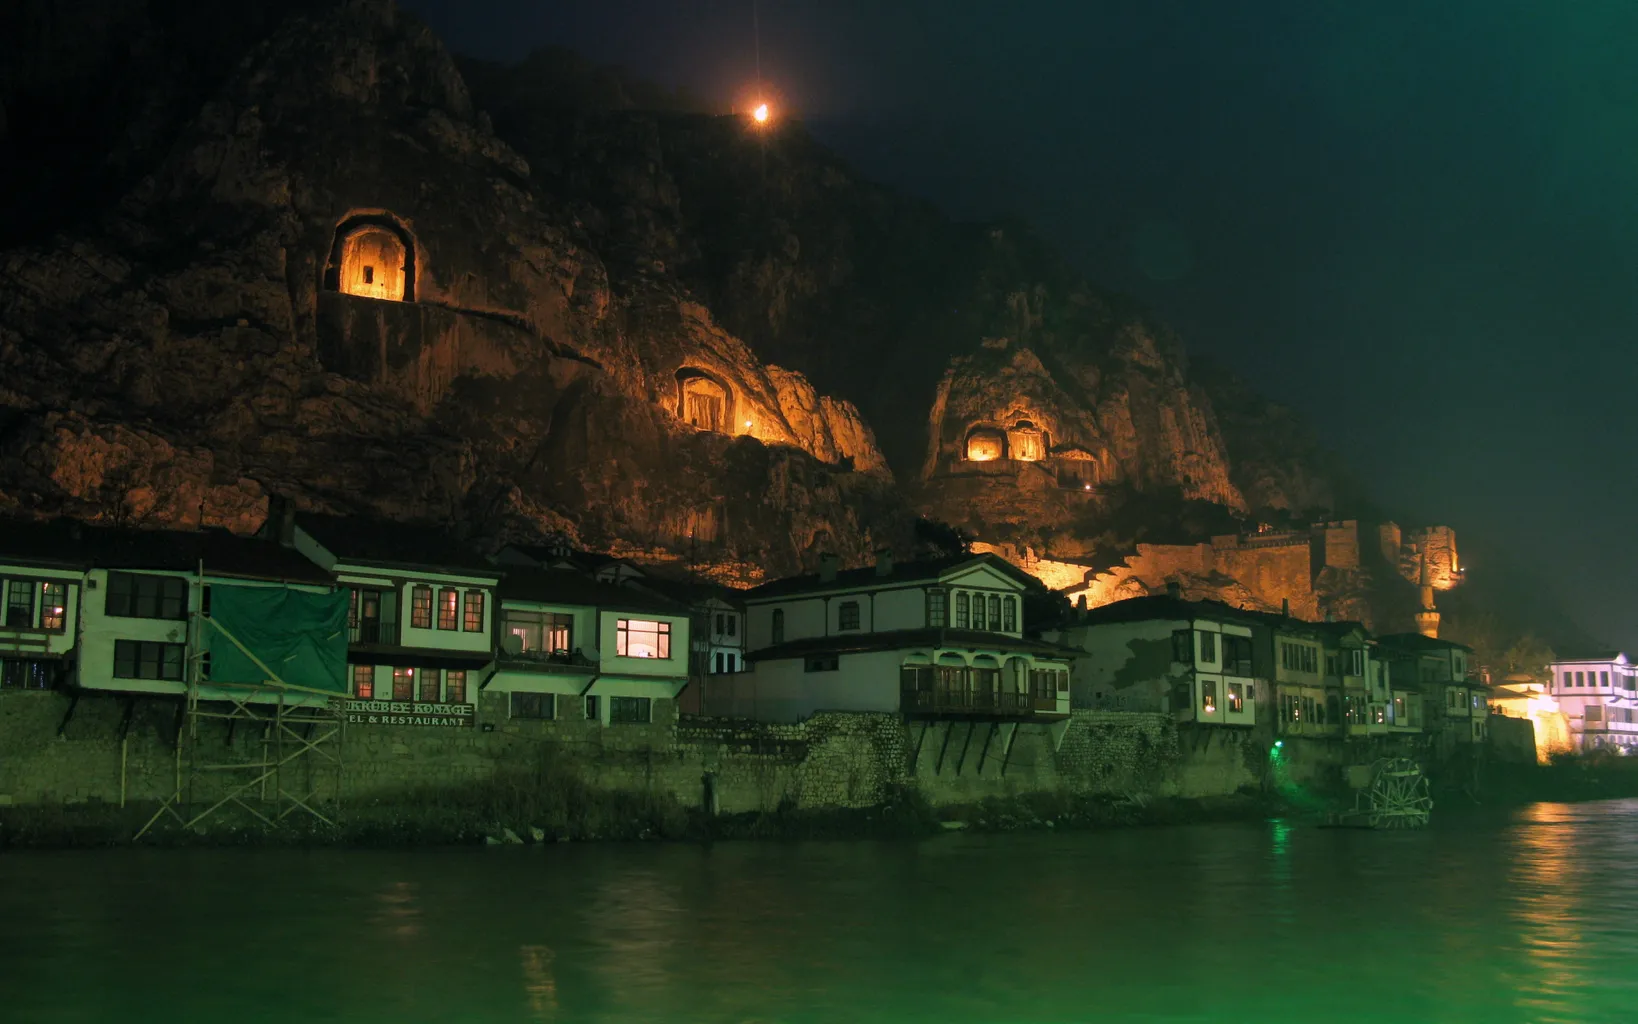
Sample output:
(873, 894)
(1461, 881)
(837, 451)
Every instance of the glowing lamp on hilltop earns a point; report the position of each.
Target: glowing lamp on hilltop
(760, 113)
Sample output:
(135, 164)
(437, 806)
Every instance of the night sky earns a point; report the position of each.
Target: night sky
(1414, 221)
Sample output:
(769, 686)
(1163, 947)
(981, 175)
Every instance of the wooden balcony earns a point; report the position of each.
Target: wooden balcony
(374, 632)
(990, 702)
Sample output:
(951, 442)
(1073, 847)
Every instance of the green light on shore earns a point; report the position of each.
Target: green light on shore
(1278, 744)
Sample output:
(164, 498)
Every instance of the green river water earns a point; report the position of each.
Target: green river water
(1528, 916)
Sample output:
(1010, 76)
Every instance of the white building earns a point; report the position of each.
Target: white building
(420, 620)
(42, 578)
(1599, 695)
(943, 638)
(1191, 659)
(575, 648)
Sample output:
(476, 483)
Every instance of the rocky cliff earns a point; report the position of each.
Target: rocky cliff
(183, 351)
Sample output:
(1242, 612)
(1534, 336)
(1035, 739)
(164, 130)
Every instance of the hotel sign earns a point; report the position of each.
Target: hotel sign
(400, 712)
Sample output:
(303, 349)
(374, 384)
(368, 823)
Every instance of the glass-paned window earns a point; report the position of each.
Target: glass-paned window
(1208, 647)
(978, 612)
(472, 616)
(1237, 655)
(592, 712)
(1236, 697)
(455, 686)
(534, 705)
(1581, 679)
(141, 659)
(733, 624)
(1603, 679)
(937, 609)
(1594, 713)
(1009, 615)
(778, 626)
(630, 709)
(403, 684)
(429, 685)
(1183, 646)
(54, 606)
(642, 638)
(24, 674)
(364, 682)
(421, 607)
(449, 606)
(138, 596)
(1208, 696)
(963, 614)
(995, 611)
(20, 604)
(847, 615)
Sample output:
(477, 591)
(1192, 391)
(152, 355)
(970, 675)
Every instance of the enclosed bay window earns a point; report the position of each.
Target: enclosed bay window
(642, 638)
(1236, 655)
(472, 615)
(1236, 697)
(137, 596)
(142, 659)
(540, 632)
(1208, 696)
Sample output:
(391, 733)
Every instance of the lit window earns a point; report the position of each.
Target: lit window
(642, 638)
(1208, 697)
(449, 602)
(472, 617)
(455, 686)
(1236, 698)
(53, 606)
(421, 607)
(364, 682)
(403, 684)
(429, 685)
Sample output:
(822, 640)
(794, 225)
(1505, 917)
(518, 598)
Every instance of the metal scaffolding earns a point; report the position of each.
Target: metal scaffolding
(296, 766)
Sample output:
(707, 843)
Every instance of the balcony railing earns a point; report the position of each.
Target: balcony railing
(546, 661)
(373, 631)
(949, 700)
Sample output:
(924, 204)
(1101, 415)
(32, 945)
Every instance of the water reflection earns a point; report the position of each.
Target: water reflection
(1510, 919)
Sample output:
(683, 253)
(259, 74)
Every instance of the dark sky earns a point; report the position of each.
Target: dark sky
(1414, 220)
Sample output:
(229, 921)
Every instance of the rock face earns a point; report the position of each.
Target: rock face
(221, 334)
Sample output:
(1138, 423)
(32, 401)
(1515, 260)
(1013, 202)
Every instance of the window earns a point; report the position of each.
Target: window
(1183, 647)
(1603, 679)
(733, 661)
(1236, 655)
(1567, 680)
(847, 615)
(53, 606)
(630, 709)
(978, 612)
(1208, 697)
(963, 618)
(455, 686)
(643, 638)
(429, 685)
(403, 684)
(1379, 714)
(821, 663)
(421, 607)
(449, 604)
(722, 627)
(20, 604)
(1398, 715)
(718, 663)
(995, 611)
(778, 628)
(1009, 615)
(1450, 698)
(1580, 679)
(364, 682)
(1353, 662)
(733, 624)
(21, 674)
(1299, 658)
(540, 632)
(135, 596)
(1594, 713)
(472, 619)
(937, 609)
(1236, 697)
(542, 706)
(1208, 647)
(140, 659)
(592, 714)
(370, 618)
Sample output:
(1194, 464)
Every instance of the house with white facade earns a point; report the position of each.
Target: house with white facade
(576, 648)
(1355, 678)
(420, 616)
(1193, 660)
(941, 638)
(1599, 696)
(118, 610)
(1454, 702)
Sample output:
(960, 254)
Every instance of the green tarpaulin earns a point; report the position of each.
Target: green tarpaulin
(301, 637)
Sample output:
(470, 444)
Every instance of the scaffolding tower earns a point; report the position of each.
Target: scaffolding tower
(295, 766)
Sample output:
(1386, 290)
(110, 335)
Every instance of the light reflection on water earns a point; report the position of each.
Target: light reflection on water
(1528, 917)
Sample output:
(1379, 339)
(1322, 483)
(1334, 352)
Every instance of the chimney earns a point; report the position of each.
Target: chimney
(827, 568)
(1285, 607)
(1174, 590)
(884, 562)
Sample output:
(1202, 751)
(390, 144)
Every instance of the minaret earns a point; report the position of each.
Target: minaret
(1427, 617)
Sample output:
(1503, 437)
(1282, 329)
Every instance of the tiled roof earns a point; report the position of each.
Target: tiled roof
(76, 545)
(1418, 642)
(385, 542)
(868, 576)
(565, 586)
(895, 639)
